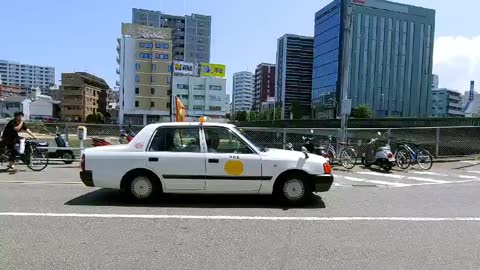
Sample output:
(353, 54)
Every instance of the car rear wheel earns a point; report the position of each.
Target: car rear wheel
(294, 190)
(142, 188)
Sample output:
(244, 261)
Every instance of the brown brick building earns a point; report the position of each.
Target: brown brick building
(264, 84)
(80, 92)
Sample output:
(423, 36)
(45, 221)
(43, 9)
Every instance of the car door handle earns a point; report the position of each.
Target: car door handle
(213, 160)
(153, 159)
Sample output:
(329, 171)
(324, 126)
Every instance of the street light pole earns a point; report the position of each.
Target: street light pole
(345, 102)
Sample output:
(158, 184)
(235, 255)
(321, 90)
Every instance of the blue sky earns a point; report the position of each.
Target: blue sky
(74, 35)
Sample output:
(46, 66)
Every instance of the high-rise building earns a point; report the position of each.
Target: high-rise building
(264, 84)
(80, 93)
(26, 76)
(391, 58)
(294, 73)
(435, 81)
(191, 34)
(243, 89)
(145, 59)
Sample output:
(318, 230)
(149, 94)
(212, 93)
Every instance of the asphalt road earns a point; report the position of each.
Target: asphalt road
(50, 221)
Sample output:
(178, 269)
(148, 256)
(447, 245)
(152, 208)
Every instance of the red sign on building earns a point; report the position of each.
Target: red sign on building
(359, 2)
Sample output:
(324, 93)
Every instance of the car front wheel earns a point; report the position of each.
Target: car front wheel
(294, 190)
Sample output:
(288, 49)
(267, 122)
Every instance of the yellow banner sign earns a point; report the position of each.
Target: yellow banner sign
(213, 70)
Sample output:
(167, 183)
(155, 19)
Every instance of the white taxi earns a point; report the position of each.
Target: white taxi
(203, 158)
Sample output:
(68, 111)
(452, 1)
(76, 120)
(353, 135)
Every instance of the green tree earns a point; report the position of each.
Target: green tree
(91, 118)
(362, 112)
(241, 116)
(253, 116)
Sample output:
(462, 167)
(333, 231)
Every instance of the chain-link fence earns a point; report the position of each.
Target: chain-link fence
(440, 141)
(444, 141)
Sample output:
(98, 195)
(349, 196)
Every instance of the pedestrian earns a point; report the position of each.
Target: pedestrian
(10, 136)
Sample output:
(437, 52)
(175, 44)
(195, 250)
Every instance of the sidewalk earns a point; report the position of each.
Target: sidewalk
(455, 158)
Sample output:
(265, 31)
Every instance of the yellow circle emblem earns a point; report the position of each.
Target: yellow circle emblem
(234, 167)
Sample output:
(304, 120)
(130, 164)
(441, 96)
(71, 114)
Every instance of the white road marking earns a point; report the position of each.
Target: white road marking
(428, 180)
(186, 217)
(340, 185)
(39, 182)
(470, 162)
(428, 173)
(468, 177)
(383, 175)
(478, 172)
(384, 183)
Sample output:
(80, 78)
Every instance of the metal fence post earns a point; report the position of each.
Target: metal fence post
(437, 143)
(284, 138)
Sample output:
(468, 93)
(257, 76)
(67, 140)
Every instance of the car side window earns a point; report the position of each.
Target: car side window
(224, 141)
(176, 139)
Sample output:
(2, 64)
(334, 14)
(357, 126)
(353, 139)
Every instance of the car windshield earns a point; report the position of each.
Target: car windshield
(249, 140)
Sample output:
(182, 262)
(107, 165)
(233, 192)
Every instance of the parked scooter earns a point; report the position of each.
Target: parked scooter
(65, 154)
(379, 154)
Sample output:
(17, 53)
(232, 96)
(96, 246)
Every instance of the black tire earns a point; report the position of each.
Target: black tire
(424, 160)
(403, 159)
(348, 158)
(365, 163)
(142, 188)
(387, 166)
(36, 159)
(68, 157)
(294, 190)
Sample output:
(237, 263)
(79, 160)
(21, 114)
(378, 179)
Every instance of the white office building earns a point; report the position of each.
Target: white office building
(243, 91)
(201, 96)
(26, 76)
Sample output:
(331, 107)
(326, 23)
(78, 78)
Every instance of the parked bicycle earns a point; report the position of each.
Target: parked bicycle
(35, 159)
(408, 153)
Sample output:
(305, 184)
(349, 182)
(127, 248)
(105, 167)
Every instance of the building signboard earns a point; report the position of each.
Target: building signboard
(185, 68)
(213, 70)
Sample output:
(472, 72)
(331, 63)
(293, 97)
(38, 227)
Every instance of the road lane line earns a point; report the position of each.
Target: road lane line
(186, 217)
(429, 180)
(39, 182)
(470, 162)
(383, 183)
(395, 176)
(477, 172)
(428, 173)
(468, 177)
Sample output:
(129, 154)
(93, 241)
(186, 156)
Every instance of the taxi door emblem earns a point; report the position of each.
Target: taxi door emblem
(234, 167)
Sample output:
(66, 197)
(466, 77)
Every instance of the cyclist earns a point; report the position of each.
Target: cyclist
(10, 136)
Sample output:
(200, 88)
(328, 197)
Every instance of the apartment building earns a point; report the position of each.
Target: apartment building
(26, 76)
(243, 91)
(145, 59)
(80, 94)
(264, 84)
(191, 34)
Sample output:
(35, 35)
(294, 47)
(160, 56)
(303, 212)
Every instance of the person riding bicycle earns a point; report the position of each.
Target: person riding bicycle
(10, 136)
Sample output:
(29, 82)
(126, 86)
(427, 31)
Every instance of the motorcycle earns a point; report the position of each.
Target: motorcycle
(65, 154)
(379, 154)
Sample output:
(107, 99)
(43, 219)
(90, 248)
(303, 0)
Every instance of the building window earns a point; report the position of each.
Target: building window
(152, 104)
(169, 68)
(147, 45)
(137, 90)
(169, 79)
(137, 66)
(154, 79)
(215, 108)
(215, 98)
(161, 56)
(198, 97)
(215, 87)
(199, 87)
(198, 107)
(145, 55)
(152, 91)
(162, 46)
(136, 104)
(182, 86)
(154, 67)
(137, 78)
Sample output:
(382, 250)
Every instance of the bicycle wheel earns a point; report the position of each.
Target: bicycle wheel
(37, 160)
(424, 160)
(348, 158)
(403, 159)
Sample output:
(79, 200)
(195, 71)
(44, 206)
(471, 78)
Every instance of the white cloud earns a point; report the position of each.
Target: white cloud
(457, 61)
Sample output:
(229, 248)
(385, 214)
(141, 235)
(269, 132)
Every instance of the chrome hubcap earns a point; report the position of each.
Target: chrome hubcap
(141, 187)
(294, 189)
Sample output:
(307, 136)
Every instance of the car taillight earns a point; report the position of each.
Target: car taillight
(327, 169)
(390, 155)
(82, 163)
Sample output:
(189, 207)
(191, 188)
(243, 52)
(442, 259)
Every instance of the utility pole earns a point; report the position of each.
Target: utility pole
(346, 103)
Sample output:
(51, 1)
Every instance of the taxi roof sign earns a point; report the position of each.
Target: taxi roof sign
(203, 119)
